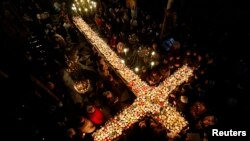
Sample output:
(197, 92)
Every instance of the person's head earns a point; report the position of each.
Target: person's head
(184, 99)
(188, 53)
(176, 45)
(85, 125)
(200, 106)
(50, 85)
(164, 70)
(58, 37)
(101, 66)
(81, 121)
(197, 109)
(110, 78)
(114, 36)
(49, 26)
(99, 58)
(153, 124)
(90, 109)
(154, 73)
(170, 57)
(142, 124)
(155, 46)
(194, 54)
(108, 94)
(99, 84)
(71, 132)
(63, 4)
(209, 120)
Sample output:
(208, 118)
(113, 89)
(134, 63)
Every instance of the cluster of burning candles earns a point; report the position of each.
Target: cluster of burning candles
(149, 100)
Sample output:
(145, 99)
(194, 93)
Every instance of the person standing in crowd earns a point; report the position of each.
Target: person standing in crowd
(95, 115)
(113, 102)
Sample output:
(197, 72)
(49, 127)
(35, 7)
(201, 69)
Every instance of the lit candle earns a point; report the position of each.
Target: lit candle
(73, 8)
(152, 64)
(152, 53)
(125, 50)
(136, 69)
(123, 61)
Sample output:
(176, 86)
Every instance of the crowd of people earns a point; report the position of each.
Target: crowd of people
(76, 115)
(120, 28)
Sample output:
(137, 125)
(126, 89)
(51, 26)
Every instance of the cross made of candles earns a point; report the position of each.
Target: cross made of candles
(150, 100)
